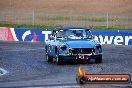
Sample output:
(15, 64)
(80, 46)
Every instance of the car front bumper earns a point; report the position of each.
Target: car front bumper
(80, 56)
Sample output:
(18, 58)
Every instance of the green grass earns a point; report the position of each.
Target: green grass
(83, 18)
(74, 18)
(109, 28)
(9, 24)
(24, 18)
(46, 18)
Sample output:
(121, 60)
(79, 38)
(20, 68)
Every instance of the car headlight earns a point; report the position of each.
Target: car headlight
(63, 47)
(98, 46)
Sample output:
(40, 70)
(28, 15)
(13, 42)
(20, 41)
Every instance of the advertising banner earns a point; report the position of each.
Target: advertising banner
(28, 34)
(117, 37)
(3, 33)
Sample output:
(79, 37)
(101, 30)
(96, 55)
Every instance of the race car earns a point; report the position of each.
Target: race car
(72, 43)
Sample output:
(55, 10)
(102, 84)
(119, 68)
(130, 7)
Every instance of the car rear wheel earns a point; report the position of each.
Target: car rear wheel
(49, 59)
(98, 59)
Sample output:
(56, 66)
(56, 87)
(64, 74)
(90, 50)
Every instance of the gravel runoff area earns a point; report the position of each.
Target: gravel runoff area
(25, 65)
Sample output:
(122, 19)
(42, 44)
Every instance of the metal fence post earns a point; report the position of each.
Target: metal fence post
(107, 21)
(33, 16)
(70, 20)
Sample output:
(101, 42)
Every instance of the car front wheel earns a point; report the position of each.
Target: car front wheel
(49, 59)
(59, 60)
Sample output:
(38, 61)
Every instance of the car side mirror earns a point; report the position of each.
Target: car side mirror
(93, 36)
(52, 38)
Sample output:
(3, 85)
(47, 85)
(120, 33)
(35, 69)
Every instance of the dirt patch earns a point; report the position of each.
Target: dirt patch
(69, 6)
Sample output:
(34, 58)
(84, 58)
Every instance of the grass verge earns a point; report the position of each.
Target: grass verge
(9, 24)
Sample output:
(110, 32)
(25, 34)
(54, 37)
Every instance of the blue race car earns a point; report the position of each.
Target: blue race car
(72, 43)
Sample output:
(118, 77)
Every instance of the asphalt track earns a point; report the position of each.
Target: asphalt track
(25, 65)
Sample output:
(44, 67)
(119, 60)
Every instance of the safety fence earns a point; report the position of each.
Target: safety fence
(117, 37)
(90, 19)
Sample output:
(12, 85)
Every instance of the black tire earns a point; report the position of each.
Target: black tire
(98, 59)
(82, 80)
(45, 48)
(49, 59)
(59, 60)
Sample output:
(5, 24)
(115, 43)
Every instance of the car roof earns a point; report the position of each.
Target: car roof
(70, 27)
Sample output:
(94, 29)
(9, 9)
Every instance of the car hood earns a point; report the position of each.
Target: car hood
(81, 43)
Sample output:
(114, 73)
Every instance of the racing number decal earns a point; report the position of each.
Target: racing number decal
(82, 57)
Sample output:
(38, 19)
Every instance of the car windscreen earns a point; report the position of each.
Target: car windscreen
(78, 33)
(74, 34)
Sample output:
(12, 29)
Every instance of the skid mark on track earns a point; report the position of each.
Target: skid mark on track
(2, 71)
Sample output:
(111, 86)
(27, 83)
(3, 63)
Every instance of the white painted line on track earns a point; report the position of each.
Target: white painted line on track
(56, 87)
(2, 71)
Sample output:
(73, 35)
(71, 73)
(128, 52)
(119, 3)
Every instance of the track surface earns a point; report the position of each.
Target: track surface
(26, 65)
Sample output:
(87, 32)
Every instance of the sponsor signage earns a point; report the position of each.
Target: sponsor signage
(27, 34)
(82, 77)
(117, 37)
